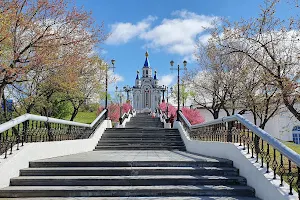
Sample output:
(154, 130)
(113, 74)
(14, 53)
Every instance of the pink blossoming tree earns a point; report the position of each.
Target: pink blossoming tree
(194, 116)
(126, 107)
(114, 110)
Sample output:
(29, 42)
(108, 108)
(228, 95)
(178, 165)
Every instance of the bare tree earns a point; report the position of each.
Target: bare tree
(41, 32)
(207, 82)
(273, 44)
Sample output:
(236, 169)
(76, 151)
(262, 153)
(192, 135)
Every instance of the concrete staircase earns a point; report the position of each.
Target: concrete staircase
(132, 163)
(140, 139)
(144, 120)
(142, 133)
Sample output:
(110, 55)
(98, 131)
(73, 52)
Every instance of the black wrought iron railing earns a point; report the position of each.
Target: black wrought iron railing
(270, 152)
(32, 128)
(163, 115)
(124, 116)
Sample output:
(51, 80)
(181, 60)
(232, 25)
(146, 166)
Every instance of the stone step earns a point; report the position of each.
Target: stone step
(143, 125)
(126, 180)
(143, 198)
(144, 129)
(132, 136)
(167, 163)
(117, 139)
(121, 130)
(141, 134)
(145, 120)
(144, 144)
(150, 142)
(133, 126)
(126, 191)
(157, 134)
(139, 147)
(141, 121)
(145, 117)
(127, 171)
(158, 130)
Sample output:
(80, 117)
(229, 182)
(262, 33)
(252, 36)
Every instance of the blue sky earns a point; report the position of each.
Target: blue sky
(169, 30)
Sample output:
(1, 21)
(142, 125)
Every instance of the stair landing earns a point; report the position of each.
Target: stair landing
(133, 155)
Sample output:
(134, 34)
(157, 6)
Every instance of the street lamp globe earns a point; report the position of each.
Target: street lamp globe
(171, 62)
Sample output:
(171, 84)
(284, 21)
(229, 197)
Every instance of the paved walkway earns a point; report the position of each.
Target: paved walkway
(132, 155)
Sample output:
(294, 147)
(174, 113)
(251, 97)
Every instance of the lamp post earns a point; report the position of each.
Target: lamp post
(120, 95)
(127, 89)
(178, 82)
(163, 89)
(106, 83)
(183, 92)
(171, 90)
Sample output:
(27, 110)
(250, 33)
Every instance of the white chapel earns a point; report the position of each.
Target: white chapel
(146, 92)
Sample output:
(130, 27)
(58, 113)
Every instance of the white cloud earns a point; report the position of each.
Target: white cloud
(123, 32)
(204, 38)
(191, 58)
(178, 35)
(103, 52)
(115, 77)
(167, 80)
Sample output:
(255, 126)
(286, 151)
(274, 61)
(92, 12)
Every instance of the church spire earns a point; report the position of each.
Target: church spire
(147, 63)
(137, 74)
(155, 75)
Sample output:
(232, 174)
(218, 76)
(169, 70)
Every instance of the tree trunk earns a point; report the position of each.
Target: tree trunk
(227, 112)
(28, 109)
(263, 125)
(2, 87)
(4, 107)
(75, 112)
(291, 109)
(286, 102)
(216, 114)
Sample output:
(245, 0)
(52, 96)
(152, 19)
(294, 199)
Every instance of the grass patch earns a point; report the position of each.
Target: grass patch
(293, 146)
(84, 117)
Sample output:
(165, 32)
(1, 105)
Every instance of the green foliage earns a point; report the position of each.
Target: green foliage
(83, 117)
(184, 93)
(62, 109)
(89, 107)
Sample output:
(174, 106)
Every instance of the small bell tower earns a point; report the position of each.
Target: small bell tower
(137, 79)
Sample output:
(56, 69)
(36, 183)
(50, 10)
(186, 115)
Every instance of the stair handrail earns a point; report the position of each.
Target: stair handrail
(162, 115)
(125, 115)
(237, 129)
(33, 128)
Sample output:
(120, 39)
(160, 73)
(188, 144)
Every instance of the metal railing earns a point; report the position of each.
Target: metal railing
(32, 128)
(269, 151)
(163, 115)
(124, 116)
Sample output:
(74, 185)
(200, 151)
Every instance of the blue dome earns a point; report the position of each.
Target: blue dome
(147, 63)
